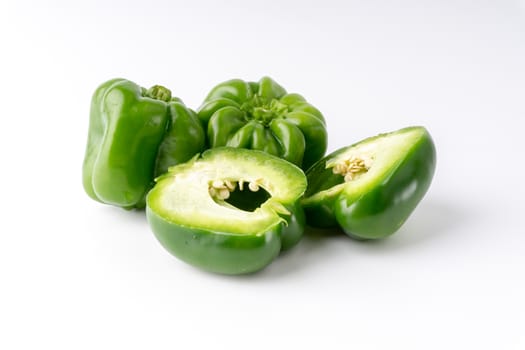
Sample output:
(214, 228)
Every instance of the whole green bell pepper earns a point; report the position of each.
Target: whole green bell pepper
(370, 188)
(229, 211)
(135, 135)
(262, 116)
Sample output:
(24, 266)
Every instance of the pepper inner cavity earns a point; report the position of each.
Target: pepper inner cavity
(244, 195)
(353, 167)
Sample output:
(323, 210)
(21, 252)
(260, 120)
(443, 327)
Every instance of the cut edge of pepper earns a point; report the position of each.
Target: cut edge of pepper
(167, 195)
(378, 163)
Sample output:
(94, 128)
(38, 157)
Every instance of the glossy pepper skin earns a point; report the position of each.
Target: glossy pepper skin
(214, 231)
(369, 189)
(135, 135)
(263, 116)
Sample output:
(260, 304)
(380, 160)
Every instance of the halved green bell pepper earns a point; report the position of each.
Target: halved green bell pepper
(229, 211)
(135, 135)
(369, 189)
(263, 116)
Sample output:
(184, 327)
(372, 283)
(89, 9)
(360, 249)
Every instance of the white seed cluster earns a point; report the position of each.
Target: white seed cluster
(221, 189)
(353, 167)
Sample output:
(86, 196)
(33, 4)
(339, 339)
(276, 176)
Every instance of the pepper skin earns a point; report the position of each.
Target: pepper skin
(263, 116)
(202, 211)
(135, 135)
(369, 189)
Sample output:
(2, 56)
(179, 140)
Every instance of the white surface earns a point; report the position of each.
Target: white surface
(79, 275)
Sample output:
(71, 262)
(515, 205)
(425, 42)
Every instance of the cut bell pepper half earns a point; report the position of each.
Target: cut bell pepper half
(229, 210)
(369, 189)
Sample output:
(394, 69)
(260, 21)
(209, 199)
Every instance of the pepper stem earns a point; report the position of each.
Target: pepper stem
(159, 92)
(264, 110)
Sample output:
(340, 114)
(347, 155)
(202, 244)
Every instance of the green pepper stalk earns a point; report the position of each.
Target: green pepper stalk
(135, 134)
(263, 116)
(369, 189)
(229, 211)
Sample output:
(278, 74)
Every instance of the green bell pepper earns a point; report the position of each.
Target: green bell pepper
(370, 188)
(262, 116)
(135, 135)
(228, 211)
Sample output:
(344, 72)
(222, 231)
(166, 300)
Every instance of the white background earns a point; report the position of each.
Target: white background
(76, 274)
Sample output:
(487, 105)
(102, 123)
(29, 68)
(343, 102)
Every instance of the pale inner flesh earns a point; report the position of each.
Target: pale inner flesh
(372, 159)
(187, 198)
